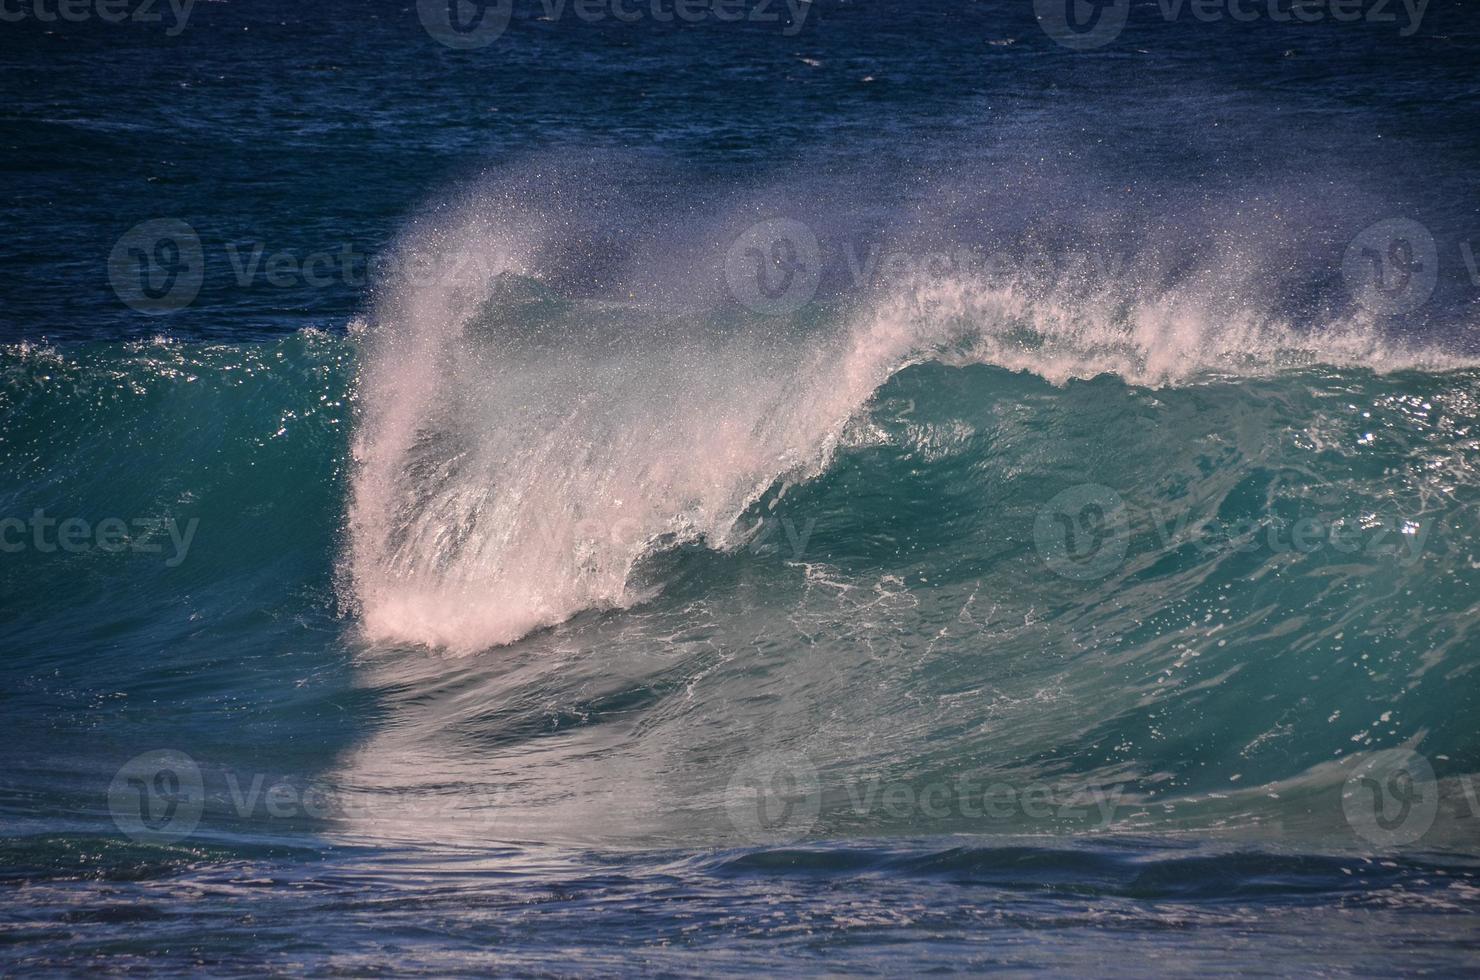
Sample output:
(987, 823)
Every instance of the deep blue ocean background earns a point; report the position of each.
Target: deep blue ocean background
(503, 579)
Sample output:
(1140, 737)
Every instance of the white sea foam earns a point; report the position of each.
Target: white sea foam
(509, 474)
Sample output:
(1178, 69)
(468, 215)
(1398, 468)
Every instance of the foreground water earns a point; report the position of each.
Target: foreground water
(911, 496)
(1121, 908)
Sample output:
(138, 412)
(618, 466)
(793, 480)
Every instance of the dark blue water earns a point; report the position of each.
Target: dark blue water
(897, 487)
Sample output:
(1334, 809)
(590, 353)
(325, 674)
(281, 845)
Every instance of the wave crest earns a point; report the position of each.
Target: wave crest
(518, 453)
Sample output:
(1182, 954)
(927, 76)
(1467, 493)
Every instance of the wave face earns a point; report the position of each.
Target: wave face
(1203, 606)
(1188, 550)
(1216, 601)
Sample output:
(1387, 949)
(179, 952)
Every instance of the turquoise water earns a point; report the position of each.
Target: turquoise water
(906, 706)
(673, 506)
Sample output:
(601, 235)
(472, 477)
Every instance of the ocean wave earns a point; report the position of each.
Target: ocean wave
(499, 427)
(1204, 605)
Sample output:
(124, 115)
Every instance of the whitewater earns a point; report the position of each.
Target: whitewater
(518, 453)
